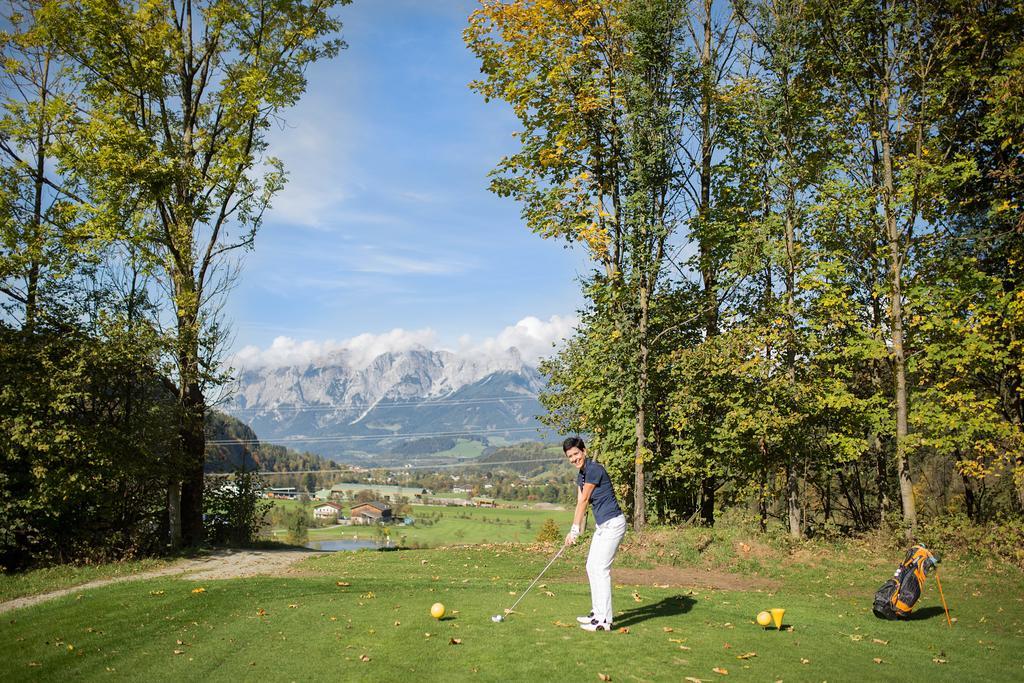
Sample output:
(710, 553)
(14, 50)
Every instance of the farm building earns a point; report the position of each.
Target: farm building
(371, 513)
(327, 511)
(383, 492)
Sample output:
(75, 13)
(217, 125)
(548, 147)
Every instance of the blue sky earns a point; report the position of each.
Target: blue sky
(386, 225)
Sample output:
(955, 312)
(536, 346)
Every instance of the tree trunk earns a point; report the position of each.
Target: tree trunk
(39, 172)
(639, 488)
(709, 271)
(193, 439)
(707, 501)
(896, 324)
(174, 514)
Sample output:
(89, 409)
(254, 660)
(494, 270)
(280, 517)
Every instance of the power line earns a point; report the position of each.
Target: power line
(319, 407)
(399, 467)
(365, 437)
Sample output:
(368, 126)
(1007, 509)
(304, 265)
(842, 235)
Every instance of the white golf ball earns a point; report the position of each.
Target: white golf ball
(497, 617)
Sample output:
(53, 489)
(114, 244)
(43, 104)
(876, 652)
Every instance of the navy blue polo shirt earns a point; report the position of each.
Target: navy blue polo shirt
(602, 500)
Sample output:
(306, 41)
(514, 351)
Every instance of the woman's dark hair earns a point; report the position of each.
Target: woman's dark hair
(573, 442)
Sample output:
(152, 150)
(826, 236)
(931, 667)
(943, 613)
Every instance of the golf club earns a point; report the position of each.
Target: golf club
(498, 617)
(939, 583)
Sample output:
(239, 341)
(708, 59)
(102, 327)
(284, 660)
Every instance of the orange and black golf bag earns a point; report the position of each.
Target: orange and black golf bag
(897, 596)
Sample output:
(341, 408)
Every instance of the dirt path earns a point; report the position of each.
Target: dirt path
(220, 564)
(692, 577)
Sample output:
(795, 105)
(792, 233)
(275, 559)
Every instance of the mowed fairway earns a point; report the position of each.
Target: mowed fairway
(448, 525)
(365, 616)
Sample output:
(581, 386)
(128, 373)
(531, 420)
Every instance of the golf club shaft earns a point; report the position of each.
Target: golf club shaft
(941, 595)
(523, 595)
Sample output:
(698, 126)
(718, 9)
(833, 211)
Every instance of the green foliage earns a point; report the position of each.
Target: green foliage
(549, 532)
(855, 333)
(87, 444)
(298, 525)
(234, 509)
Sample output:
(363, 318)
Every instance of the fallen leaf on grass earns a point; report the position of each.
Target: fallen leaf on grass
(293, 606)
(879, 641)
(344, 583)
(179, 652)
(398, 623)
(261, 612)
(364, 658)
(636, 597)
(549, 594)
(855, 637)
(877, 660)
(667, 629)
(604, 677)
(804, 661)
(939, 660)
(455, 641)
(691, 679)
(720, 670)
(156, 592)
(199, 590)
(34, 664)
(746, 655)
(624, 629)
(562, 625)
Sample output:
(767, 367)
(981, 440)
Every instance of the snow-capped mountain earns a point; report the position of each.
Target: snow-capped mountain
(338, 407)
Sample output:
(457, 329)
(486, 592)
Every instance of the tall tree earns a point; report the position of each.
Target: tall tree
(599, 89)
(179, 98)
(39, 245)
(880, 63)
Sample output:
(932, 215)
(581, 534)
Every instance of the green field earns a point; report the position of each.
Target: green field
(365, 616)
(442, 525)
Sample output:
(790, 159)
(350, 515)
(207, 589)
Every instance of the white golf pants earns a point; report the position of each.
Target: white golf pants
(603, 547)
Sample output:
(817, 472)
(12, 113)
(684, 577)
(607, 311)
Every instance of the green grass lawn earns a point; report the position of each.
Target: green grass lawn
(365, 616)
(438, 525)
(16, 585)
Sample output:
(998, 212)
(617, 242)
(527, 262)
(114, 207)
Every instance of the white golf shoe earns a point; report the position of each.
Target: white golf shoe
(586, 619)
(596, 625)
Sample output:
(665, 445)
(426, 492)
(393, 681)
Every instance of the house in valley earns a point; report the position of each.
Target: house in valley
(371, 513)
(328, 510)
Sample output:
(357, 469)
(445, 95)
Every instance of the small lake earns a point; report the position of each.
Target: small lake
(342, 544)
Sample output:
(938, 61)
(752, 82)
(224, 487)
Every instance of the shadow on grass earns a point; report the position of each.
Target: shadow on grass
(926, 613)
(666, 607)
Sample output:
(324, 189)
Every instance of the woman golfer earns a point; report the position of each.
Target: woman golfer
(595, 488)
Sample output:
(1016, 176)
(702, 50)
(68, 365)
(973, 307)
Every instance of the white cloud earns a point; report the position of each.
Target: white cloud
(359, 351)
(532, 337)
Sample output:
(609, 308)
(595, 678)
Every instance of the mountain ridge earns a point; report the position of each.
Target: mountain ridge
(351, 411)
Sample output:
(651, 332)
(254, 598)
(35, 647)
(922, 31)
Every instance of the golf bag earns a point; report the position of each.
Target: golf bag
(897, 596)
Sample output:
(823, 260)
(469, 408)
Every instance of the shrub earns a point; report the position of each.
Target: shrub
(549, 532)
(233, 511)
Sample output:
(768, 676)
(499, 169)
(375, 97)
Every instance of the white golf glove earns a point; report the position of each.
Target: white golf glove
(574, 533)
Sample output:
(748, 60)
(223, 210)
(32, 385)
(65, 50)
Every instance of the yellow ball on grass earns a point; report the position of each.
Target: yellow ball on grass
(764, 618)
(437, 610)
